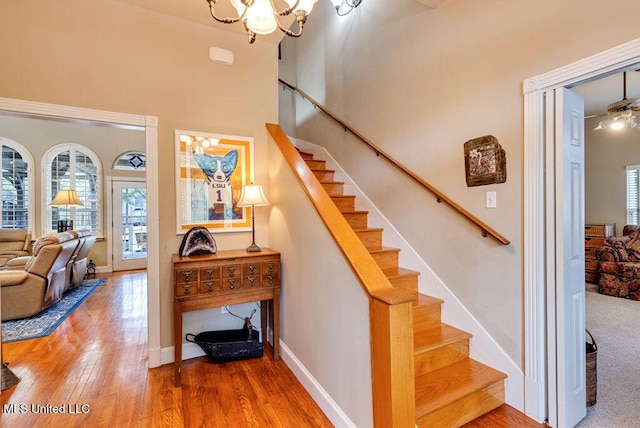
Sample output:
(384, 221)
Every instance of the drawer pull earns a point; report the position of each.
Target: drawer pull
(252, 280)
(186, 274)
(231, 270)
(210, 286)
(232, 283)
(270, 278)
(187, 288)
(210, 273)
(270, 267)
(252, 268)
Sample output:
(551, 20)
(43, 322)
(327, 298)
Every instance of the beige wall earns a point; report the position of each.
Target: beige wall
(420, 83)
(607, 153)
(110, 56)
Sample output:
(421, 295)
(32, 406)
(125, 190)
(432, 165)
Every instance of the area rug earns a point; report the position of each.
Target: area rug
(48, 320)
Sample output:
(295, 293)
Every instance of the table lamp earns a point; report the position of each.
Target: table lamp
(252, 195)
(69, 199)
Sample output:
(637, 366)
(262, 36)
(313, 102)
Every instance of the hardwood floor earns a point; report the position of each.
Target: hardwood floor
(94, 365)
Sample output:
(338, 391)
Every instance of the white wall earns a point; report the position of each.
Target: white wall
(325, 312)
(607, 153)
(421, 82)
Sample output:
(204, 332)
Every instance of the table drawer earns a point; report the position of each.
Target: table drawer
(209, 286)
(210, 273)
(590, 253)
(232, 271)
(593, 242)
(231, 284)
(251, 269)
(251, 281)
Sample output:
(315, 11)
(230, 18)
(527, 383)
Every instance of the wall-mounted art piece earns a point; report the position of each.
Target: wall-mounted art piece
(485, 161)
(210, 172)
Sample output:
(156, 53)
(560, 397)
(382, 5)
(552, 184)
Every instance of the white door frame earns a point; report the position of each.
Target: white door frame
(110, 201)
(150, 126)
(539, 228)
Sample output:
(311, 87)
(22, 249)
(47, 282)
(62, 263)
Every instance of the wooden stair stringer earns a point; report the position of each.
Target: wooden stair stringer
(450, 388)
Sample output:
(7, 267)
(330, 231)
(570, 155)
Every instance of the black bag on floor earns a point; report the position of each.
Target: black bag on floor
(228, 345)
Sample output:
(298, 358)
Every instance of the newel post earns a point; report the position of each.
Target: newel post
(392, 359)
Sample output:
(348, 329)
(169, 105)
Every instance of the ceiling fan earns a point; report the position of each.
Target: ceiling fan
(621, 114)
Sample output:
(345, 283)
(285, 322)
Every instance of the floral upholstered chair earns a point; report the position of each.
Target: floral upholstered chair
(619, 264)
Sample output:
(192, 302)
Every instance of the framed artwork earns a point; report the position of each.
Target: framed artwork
(210, 172)
(484, 161)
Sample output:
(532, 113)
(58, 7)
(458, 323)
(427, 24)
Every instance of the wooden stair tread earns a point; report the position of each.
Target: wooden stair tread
(369, 229)
(306, 155)
(437, 336)
(448, 384)
(399, 271)
(322, 170)
(342, 196)
(385, 250)
(426, 300)
(330, 182)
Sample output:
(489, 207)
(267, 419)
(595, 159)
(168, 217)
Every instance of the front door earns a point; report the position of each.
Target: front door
(570, 280)
(129, 232)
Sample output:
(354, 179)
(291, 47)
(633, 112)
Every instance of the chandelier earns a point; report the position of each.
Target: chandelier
(343, 7)
(262, 17)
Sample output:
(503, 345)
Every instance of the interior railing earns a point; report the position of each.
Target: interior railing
(485, 229)
(391, 309)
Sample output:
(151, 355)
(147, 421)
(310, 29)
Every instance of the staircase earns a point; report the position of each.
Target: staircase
(450, 388)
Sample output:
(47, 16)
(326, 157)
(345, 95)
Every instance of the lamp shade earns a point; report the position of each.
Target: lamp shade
(66, 198)
(252, 194)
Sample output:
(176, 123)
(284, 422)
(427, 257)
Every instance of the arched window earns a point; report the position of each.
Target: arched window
(17, 185)
(73, 166)
(131, 161)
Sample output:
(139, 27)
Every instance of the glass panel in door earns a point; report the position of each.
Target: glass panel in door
(129, 225)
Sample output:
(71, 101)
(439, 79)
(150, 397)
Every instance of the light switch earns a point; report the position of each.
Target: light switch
(491, 200)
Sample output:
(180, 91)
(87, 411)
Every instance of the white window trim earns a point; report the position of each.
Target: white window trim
(27, 157)
(46, 174)
(637, 169)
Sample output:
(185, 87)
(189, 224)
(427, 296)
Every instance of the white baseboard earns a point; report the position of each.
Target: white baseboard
(335, 414)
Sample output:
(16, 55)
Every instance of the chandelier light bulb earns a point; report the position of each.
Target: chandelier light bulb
(260, 18)
(617, 125)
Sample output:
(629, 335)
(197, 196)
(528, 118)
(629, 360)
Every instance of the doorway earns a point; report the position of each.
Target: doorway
(149, 124)
(129, 223)
(542, 270)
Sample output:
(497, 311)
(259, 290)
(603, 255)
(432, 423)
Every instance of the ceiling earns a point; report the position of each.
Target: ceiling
(198, 11)
(598, 94)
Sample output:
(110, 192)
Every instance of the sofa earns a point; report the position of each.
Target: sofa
(619, 264)
(33, 283)
(14, 243)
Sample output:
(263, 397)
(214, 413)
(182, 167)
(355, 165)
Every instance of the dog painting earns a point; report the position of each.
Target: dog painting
(218, 170)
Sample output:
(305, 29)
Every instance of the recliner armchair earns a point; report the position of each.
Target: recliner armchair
(42, 281)
(14, 243)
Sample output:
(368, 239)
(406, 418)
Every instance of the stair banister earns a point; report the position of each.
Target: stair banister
(391, 309)
(485, 229)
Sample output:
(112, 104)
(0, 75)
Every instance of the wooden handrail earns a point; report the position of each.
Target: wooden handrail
(370, 275)
(486, 230)
(390, 309)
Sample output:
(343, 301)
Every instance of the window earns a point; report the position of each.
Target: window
(633, 210)
(17, 182)
(131, 161)
(72, 166)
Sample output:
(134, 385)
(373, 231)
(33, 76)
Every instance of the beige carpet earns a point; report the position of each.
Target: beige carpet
(615, 326)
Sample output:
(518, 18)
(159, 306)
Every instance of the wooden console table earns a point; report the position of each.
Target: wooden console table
(226, 278)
